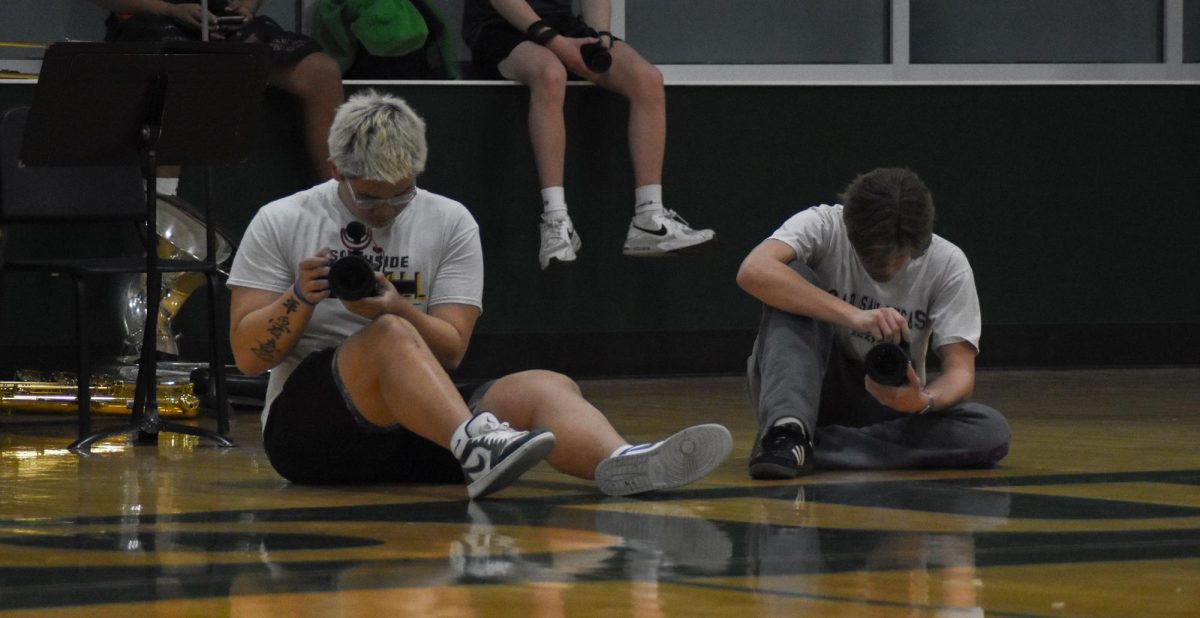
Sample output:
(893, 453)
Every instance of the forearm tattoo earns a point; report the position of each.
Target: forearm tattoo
(276, 328)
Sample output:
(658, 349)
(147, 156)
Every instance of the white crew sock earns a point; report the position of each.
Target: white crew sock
(647, 199)
(647, 202)
(554, 203)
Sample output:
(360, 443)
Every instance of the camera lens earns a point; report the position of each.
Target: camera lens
(351, 278)
(887, 364)
(596, 57)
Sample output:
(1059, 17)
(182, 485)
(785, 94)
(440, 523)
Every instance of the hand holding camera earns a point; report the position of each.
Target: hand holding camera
(596, 55)
(887, 363)
(351, 277)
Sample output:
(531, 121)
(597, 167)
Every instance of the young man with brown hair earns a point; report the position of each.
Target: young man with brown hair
(837, 280)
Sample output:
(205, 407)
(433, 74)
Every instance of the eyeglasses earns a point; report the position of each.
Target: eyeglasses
(396, 201)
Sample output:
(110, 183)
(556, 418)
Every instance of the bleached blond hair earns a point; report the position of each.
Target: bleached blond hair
(377, 137)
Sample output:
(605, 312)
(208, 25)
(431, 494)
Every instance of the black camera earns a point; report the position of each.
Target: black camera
(351, 276)
(887, 363)
(596, 57)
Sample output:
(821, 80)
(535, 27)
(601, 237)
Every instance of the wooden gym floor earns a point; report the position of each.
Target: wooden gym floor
(1096, 512)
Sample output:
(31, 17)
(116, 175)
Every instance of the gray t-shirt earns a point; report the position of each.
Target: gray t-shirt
(935, 292)
(430, 252)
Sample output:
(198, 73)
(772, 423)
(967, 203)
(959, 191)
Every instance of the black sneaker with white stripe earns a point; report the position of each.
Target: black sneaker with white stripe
(493, 454)
(785, 452)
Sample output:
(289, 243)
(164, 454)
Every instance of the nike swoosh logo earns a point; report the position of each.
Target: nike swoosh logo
(661, 231)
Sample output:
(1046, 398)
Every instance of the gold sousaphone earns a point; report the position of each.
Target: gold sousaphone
(33, 392)
(182, 236)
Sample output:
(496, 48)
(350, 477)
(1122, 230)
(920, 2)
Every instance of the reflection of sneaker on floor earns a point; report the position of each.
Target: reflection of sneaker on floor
(683, 458)
(673, 531)
(559, 241)
(663, 232)
(482, 552)
(492, 454)
(785, 452)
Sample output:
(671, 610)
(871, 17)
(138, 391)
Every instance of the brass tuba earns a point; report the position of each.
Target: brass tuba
(182, 235)
(34, 392)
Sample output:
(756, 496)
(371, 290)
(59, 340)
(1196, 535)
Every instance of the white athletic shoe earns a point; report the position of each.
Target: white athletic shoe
(683, 458)
(492, 454)
(668, 232)
(559, 241)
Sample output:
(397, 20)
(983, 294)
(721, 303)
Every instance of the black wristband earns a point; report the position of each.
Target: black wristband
(540, 32)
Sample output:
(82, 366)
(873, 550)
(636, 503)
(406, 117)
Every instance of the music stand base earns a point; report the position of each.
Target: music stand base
(84, 444)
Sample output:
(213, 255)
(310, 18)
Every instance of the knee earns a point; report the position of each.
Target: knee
(392, 333)
(549, 82)
(316, 75)
(993, 435)
(649, 83)
(542, 380)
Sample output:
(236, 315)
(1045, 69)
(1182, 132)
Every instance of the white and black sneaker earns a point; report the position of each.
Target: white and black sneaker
(559, 240)
(784, 452)
(493, 454)
(683, 458)
(661, 233)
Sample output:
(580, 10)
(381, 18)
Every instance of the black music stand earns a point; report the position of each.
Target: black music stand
(150, 104)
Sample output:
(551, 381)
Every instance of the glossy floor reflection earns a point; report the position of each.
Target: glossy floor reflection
(1095, 513)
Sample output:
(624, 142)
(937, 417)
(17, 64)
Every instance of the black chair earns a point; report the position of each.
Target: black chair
(62, 195)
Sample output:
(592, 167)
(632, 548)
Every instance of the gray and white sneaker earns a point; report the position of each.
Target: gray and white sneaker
(665, 232)
(493, 454)
(559, 241)
(683, 458)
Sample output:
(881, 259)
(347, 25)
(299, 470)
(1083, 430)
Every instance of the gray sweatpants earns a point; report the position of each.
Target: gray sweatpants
(797, 369)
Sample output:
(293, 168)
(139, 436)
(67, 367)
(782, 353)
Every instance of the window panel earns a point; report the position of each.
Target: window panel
(1058, 31)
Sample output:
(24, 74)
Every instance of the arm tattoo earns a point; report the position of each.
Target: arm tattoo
(265, 350)
(277, 328)
(291, 305)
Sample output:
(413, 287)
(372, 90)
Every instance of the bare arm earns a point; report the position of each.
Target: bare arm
(765, 275)
(516, 12)
(597, 13)
(955, 384)
(266, 326)
(188, 14)
(138, 7)
(522, 16)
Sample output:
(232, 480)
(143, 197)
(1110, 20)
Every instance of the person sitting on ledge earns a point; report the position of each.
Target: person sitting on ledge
(297, 64)
(537, 43)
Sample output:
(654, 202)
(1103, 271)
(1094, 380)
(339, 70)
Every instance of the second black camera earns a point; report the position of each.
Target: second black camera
(887, 363)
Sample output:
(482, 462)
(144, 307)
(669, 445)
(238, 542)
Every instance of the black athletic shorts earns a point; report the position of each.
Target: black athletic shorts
(496, 41)
(313, 437)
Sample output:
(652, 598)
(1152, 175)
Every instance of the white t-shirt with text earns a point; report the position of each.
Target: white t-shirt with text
(935, 292)
(430, 251)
